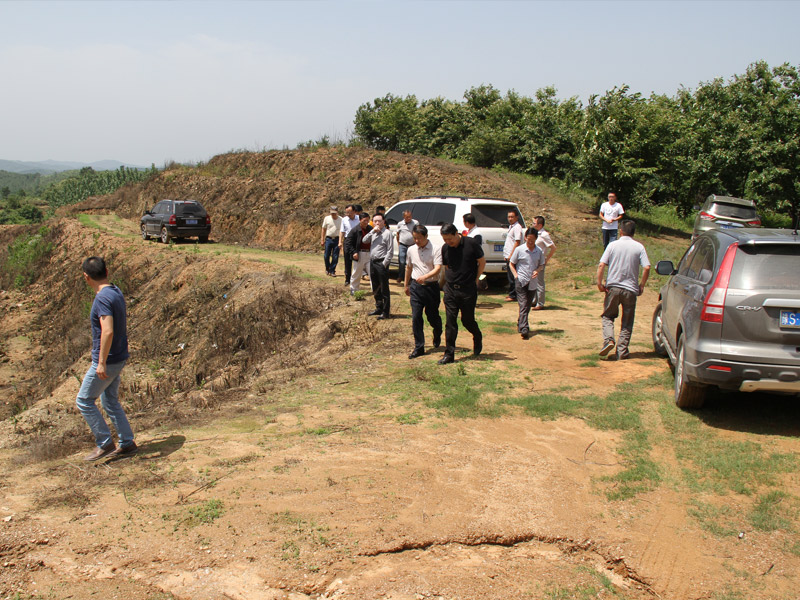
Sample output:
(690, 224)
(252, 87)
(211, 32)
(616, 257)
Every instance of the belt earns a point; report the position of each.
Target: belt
(406, 245)
(424, 283)
(330, 237)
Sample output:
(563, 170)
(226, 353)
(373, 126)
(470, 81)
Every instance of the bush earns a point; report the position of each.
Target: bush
(26, 256)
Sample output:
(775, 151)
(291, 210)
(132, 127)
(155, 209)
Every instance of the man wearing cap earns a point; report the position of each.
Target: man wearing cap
(331, 227)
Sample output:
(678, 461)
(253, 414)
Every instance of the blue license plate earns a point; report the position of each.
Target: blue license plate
(498, 247)
(191, 221)
(790, 318)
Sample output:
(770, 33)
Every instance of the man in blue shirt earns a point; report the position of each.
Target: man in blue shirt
(108, 319)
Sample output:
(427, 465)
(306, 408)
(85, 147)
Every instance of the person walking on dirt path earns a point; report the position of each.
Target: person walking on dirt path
(513, 239)
(381, 252)
(349, 222)
(472, 230)
(545, 243)
(405, 239)
(331, 228)
(611, 212)
(525, 264)
(108, 318)
(463, 261)
(422, 287)
(624, 257)
(361, 251)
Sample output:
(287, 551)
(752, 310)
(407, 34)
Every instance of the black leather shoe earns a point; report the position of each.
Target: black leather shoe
(373, 313)
(525, 335)
(99, 453)
(437, 340)
(446, 359)
(384, 317)
(477, 346)
(417, 353)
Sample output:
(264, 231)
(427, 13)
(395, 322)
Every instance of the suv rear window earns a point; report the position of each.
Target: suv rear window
(735, 211)
(491, 215)
(766, 268)
(189, 208)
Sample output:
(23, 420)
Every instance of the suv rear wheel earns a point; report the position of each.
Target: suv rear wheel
(165, 236)
(687, 395)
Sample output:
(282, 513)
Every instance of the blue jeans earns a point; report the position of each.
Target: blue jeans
(331, 254)
(107, 389)
(609, 235)
(402, 252)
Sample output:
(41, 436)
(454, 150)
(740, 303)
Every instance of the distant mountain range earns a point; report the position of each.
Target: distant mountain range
(54, 166)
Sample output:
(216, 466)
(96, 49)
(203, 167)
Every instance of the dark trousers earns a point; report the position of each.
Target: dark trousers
(526, 299)
(425, 298)
(348, 266)
(512, 286)
(455, 300)
(331, 254)
(609, 235)
(616, 298)
(379, 276)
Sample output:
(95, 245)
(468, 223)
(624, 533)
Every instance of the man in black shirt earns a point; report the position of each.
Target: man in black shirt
(464, 262)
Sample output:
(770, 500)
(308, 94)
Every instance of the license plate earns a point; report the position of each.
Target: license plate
(498, 247)
(191, 221)
(790, 318)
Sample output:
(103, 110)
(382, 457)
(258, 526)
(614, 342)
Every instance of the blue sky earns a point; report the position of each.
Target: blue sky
(148, 82)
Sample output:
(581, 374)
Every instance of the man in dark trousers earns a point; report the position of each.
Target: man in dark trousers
(108, 319)
(360, 251)
(381, 243)
(422, 287)
(464, 262)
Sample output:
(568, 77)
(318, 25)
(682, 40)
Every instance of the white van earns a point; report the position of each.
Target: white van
(491, 217)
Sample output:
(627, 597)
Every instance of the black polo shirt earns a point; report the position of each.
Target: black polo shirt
(462, 262)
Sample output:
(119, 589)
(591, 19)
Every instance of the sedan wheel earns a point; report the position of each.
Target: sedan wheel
(687, 395)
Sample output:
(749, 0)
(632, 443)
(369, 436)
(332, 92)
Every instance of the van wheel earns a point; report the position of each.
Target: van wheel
(165, 236)
(687, 395)
(659, 344)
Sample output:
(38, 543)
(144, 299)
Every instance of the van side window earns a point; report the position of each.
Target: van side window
(442, 213)
(395, 215)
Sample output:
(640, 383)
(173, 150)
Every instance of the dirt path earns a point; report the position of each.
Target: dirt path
(346, 485)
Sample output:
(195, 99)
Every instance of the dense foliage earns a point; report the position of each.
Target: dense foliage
(31, 183)
(88, 182)
(739, 137)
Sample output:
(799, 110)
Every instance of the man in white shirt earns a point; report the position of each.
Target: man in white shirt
(525, 263)
(624, 257)
(349, 222)
(405, 239)
(472, 229)
(545, 243)
(611, 212)
(331, 228)
(422, 287)
(513, 239)
(381, 250)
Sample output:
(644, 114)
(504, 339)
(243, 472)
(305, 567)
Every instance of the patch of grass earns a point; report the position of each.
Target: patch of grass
(554, 333)
(409, 418)
(88, 221)
(713, 519)
(461, 391)
(27, 254)
(544, 406)
(589, 360)
(771, 511)
(208, 512)
(502, 328)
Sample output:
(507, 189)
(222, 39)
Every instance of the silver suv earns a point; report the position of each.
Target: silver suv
(729, 315)
(725, 212)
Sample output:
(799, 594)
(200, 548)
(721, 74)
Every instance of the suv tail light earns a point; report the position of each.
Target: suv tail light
(208, 220)
(714, 304)
(173, 220)
(755, 222)
(706, 216)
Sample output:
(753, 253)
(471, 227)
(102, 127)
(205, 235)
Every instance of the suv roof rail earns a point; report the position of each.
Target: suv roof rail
(444, 197)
